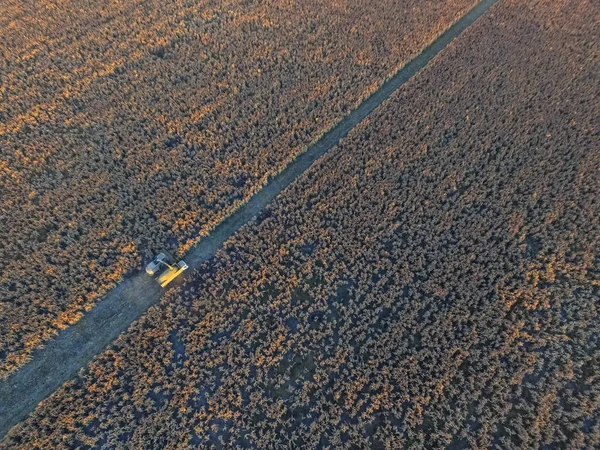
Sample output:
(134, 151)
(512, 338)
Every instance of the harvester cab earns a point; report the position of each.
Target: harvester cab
(163, 262)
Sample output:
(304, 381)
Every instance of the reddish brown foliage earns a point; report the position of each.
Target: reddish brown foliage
(432, 283)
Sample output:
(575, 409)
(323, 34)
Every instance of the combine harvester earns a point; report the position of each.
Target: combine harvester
(170, 273)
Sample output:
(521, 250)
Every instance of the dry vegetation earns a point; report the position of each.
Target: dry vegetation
(432, 283)
(135, 126)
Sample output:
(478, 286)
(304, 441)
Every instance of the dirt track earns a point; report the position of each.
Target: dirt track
(75, 346)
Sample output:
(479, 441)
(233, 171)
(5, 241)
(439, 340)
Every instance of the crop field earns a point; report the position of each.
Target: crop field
(139, 125)
(431, 282)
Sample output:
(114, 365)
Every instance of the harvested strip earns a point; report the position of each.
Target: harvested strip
(127, 127)
(60, 359)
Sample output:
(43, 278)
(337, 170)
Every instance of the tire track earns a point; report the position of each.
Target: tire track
(74, 347)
